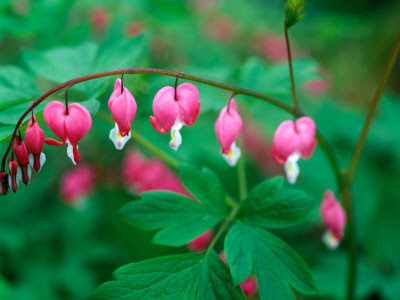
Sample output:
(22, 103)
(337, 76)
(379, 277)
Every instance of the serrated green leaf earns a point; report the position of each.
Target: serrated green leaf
(180, 219)
(205, 186)
(268, 205)
(186, 277)
(276, 265)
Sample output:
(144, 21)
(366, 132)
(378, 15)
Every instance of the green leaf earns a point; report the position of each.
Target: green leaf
(185, 277)
(268, 205)
(92, 105)
(276, 265)
(180, 219)
(205, 186)
(293, 12)
(16, 86)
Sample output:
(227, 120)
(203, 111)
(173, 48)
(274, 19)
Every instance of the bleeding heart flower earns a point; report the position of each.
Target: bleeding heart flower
(123, 109)
(249, 286)
(227, 127)
(201, 243)
(292, 141)
(15, 174)
(334, 217)
(69, 127)
(22, 154)
(172, 111)
(76, 184)
(34, 137)
(4, 183)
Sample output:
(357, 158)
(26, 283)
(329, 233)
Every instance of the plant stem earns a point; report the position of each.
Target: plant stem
(352, 251)
(223, 227)
(289, 54)
(368, 121)
(295, 111)
(145, 143)
(242, 172)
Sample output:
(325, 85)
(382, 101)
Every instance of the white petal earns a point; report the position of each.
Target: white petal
(330, 241)
(42, 159)
(291, 167)
(118, 140)
(176, 138)
(31, 160)
(70, 152)
(19, 175)
(233, 156)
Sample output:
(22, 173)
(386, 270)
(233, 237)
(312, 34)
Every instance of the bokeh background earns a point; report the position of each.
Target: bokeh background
(61, 235)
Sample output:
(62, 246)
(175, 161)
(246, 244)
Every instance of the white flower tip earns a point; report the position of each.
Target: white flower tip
(118, 140)
(42, 159)
(70, 152)
(233, 156)
(330, 241)
(176, 138)
(291, 167)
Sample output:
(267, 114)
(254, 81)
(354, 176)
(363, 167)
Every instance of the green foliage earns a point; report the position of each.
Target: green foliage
(186, 277)
(269, 205)
(293, 12)
(180, 218)
(276, 265)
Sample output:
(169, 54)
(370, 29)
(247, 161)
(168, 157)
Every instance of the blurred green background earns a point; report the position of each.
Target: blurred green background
(50, 250)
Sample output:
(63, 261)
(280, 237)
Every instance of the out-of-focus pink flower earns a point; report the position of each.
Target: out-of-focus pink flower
(202, 242)
(133, 29)
(123, 109)
(34, 137)
(21, 7)
(99, 18)
(257, 146)
(14, 177)
(227, 128)
(272, 47)
(221, 28)
(317, 86)
(292, 141)
(70, 127)
(141, 175)
(249, 286)
(76, 184)
(173, 109)
(334, 218)
(204, 5)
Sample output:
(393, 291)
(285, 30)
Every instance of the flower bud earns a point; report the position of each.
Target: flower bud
(123, 109)
(34, 137)
(227, 127)
(4, 183)
(22, 154)
(69, 127)
(334, 218)
(14, 176)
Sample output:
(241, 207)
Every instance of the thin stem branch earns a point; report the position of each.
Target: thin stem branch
(295, 111)
(242, 172)
(145, 143)
(368, 121)
(289, 55)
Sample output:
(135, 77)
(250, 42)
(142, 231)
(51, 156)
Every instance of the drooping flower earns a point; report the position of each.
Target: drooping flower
(15, 175)
(227, 127)
(69, 127)
(76, 184)
(99, 18)
(22, 154)
(123, 109)
(4, 183)
(173, 110)
(292, 141)
(201, 243)
(34, 137)
(334, 218)
(249, 286)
